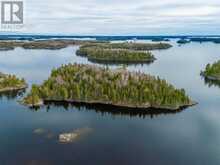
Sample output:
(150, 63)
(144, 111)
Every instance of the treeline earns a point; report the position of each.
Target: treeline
(91, 84)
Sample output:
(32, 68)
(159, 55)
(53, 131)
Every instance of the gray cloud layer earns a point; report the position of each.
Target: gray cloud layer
(125, 17)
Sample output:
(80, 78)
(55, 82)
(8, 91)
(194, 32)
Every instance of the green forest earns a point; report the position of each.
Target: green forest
(92, 84)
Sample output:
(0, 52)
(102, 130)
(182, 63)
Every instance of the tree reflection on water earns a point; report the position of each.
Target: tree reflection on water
(109, 109)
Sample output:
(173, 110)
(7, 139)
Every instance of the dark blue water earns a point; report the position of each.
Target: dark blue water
(105, 135)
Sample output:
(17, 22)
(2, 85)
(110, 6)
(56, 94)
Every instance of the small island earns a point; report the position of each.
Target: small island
(212, 72)
(100, 55)
(126, 52)
(80, 83)
(183, 41)
(11, 83)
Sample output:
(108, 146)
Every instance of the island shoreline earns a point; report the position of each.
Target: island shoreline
(178, 107)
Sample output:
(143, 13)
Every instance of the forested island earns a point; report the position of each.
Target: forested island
(126, 52)
(90, 84)
(212, 72)
(11, 83)
(130, 46)
(100, 55)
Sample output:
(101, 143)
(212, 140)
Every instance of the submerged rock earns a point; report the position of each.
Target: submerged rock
(39, 131)
(72, 136)
(67, 137)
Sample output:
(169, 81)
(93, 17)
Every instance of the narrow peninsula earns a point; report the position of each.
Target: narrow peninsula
(90, 84)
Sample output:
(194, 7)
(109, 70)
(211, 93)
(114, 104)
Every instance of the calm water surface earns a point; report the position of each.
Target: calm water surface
(104, 136)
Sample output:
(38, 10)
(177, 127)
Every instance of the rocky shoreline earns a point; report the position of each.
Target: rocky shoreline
(145, 107)
(7, 89)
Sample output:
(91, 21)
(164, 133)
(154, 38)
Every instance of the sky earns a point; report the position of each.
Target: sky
(122, 17)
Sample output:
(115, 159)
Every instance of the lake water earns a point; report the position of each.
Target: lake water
(104, 135)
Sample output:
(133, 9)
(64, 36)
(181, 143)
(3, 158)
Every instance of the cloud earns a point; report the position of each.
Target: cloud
(125, 17)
